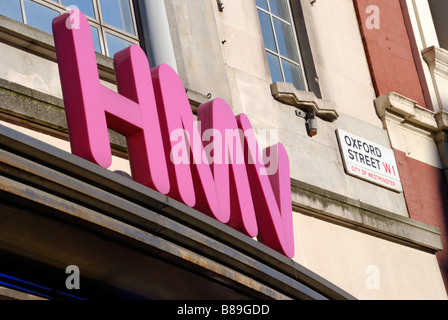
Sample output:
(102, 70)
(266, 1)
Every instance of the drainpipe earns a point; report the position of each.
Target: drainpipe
(156, 33)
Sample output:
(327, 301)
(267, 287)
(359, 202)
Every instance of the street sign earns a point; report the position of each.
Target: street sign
(369, 161)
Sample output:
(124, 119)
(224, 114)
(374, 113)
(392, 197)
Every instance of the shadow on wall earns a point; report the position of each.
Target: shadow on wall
(425, 189)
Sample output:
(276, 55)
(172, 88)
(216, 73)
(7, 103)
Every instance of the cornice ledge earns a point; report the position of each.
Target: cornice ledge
(40, 43)
(407, 109)
(442, 120)
(340, 209)
(437, 59)
(304, 100)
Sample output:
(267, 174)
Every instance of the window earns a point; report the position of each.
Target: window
(280, 40)
(112, 22)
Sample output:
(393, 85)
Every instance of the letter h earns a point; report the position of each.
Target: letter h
(92, 108)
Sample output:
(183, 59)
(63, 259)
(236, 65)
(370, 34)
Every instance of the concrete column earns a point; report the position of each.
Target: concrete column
(156, 33)
(441, 138)
(437, 60)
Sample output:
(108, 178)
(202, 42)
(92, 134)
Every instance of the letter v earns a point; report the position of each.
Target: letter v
(230, 175)
(272, 194)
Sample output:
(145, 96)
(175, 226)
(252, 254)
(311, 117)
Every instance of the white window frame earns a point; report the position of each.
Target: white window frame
(97, 22)
(296, 43)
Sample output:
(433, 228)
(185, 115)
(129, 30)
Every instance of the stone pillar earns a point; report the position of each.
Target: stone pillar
(437, 60)
(441, 138)
(156, 33)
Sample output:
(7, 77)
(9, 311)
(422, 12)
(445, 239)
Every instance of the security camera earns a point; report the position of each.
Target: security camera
(311, 122)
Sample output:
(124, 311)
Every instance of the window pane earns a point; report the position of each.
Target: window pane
(285, 40)
(11, 9)
(39, 16)
(280, 9)
(96, 39)
(118, 14)
(266, 29)
(274, 66)
(262, 4)
(115, 44)
(293, 74)
(85, 6)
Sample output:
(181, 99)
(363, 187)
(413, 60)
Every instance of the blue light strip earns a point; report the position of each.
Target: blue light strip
(21, 289)
(32, 285)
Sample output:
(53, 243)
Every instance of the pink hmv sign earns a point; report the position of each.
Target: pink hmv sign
(232, 183)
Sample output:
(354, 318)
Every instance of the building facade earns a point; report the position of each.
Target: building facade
(355, 91)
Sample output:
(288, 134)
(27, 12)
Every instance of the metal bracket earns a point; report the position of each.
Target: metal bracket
(311, 122)
(220, 5)
(304, 100)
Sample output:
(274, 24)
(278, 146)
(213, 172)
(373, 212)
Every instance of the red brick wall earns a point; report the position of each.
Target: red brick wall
(389, 51)
(395, 66)
(425, 189)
